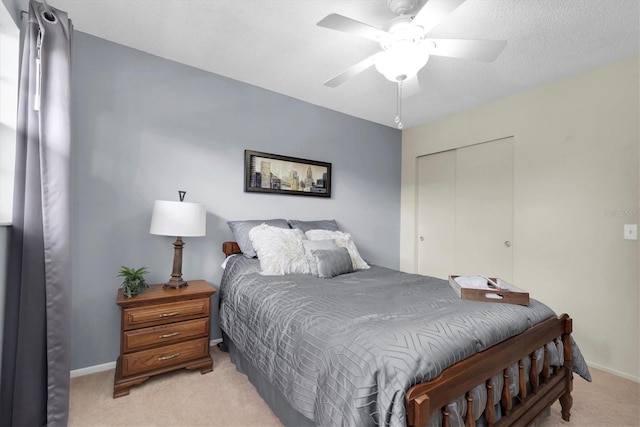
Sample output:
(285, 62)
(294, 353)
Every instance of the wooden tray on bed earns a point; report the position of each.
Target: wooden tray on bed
(512, 295)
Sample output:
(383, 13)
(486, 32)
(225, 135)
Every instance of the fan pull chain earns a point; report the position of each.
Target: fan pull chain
(399, 107)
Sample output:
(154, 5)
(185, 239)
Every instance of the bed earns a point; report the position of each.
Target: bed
(382, 347)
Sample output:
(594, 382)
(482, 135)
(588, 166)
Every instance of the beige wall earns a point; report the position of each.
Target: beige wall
(576, 182)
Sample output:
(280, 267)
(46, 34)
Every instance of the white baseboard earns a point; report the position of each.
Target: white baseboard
(614, 372)
(112, 365)
(93, 369)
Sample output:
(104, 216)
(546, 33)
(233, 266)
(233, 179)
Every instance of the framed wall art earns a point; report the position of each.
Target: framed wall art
(272, 173)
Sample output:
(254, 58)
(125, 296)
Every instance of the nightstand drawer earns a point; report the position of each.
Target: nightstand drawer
(160, 314)
(161, 357)
(166, 334)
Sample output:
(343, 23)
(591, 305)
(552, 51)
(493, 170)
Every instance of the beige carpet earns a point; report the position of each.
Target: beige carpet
(225, 397)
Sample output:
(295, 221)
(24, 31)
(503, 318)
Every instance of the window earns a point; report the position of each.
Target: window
(9, 59)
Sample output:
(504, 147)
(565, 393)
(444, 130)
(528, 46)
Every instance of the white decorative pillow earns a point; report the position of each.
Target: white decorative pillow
(279, 250)
(343, 240)
(312, 245)
(241, 230)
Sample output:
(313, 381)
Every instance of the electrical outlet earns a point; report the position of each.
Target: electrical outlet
(631, 231)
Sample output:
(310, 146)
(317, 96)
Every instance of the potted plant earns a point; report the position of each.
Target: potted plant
(134, 282)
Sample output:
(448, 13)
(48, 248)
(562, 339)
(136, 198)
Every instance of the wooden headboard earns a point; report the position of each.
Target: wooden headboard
(230, 248)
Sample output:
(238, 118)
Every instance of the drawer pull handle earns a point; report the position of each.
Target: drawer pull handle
(160, 359)
(169, 335)
(173, 313)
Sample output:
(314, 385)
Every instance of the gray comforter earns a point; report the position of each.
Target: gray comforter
(344, 350)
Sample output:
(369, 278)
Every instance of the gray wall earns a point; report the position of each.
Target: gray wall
(145, 127)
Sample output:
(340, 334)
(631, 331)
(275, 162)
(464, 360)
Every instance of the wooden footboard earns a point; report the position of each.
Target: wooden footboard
(552, 384)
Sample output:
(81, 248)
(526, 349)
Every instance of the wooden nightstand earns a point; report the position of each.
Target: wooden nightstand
(163, 330)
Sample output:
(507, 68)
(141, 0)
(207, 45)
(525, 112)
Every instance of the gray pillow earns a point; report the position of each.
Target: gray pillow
(323, 224)
(312, 245)
(332, 262)
(241, 230)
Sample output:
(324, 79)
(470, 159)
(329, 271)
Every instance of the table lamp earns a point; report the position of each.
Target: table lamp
(180, 219)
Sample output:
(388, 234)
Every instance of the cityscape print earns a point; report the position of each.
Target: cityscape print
(286, 175)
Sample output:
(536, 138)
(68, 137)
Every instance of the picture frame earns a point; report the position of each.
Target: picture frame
(287, 175)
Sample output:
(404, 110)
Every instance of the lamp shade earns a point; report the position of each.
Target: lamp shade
(178, 219)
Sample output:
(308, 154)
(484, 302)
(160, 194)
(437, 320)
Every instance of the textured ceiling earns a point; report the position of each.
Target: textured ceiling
(276, 45)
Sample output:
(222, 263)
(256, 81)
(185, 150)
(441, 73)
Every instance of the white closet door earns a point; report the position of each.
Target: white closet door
(484, 209)
(465, 211)
(436, 213)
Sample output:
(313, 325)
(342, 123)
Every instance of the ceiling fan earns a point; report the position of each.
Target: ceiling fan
(405, 45)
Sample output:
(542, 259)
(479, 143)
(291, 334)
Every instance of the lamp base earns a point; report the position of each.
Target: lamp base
(176, 281)
(175, 284)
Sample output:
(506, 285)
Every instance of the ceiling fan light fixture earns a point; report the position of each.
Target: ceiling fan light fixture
(400, 29)
(401, 61)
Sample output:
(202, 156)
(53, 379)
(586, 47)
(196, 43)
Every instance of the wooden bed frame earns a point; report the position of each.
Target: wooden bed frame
(553, 383)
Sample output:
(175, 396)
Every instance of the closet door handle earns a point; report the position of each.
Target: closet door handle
(507, 243)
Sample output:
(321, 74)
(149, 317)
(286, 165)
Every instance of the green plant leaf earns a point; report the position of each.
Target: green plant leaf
(133, 282)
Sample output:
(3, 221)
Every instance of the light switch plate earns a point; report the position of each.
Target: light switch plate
(631, 231)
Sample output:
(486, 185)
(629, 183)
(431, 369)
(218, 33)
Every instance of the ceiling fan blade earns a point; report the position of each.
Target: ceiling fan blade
(434, 11)
(350, 72)
(351, 26)
(410, 87)
(480, 50)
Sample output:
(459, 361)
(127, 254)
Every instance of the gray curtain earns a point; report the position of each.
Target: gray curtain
(34, 388)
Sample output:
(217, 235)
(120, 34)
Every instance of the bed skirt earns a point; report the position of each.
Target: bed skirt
(274, 397)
